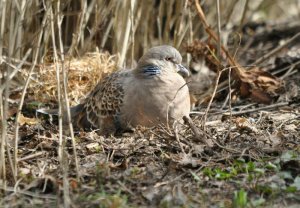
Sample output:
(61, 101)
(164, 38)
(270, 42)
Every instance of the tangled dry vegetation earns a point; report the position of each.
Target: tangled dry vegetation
(250, 157)
(83, 75)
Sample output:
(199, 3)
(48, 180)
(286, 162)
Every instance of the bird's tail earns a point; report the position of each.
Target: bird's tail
(78, 115)
(48, 111)
(74, 110)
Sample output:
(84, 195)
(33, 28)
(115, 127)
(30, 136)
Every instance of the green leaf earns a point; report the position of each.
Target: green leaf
(271, 166)
(195, 176)
(285, 175)
(240, 199)
(296, 183)
(258, 202)
(291, 189)
(259, 170)
(287, 156)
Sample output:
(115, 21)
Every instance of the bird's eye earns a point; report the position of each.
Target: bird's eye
(168, 59)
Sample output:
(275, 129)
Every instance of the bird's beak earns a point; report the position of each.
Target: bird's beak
(183, 71)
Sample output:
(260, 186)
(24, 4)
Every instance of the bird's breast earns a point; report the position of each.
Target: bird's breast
(149, 102)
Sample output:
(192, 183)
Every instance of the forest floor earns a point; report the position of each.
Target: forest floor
(252, 159)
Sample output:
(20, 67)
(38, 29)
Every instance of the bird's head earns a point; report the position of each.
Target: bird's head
(161, 60)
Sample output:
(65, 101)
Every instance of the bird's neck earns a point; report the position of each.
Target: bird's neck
(148, 71)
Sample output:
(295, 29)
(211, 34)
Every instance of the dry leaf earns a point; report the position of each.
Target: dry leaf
(245, 124)
(93, 147)
(290, 128)
(24, 120)
(259, 85)
(274, 139)
(199, 50)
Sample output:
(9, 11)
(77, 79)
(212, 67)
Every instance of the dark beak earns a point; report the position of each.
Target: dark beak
(183, 71)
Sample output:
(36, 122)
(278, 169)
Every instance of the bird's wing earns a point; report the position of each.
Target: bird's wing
(104, 102)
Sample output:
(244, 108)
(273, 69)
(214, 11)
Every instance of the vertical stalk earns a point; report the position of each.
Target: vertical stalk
(61, 153)
(126, 31)
(132, 2)
(3, 119)
(65, 85)
(36, 55)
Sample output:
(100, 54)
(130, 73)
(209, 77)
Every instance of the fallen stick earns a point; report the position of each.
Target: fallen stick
(198, 136)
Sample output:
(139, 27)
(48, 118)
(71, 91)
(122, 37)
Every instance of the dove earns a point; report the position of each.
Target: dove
(154, 92)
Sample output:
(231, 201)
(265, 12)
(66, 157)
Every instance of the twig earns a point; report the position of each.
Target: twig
(3, 102)
(20, 25)
(238, 68)
(289, 72)
(242, 21)
(178, 140)
(106, 33)
(65, 91)
(79, 28)
(32, 156)
(55, 60)
(229, 11)
(61, 152)
(24, 93)
(219, 32)
(131, 11)
(257, 109)
(125, 188)
(126, 32)
(198, 135)
(29, 193)
(211, 99)
(229, 103)
(17, 61)
(16, 69)
(287, 68)
(276, 50)
(234, 113)
(226, 148)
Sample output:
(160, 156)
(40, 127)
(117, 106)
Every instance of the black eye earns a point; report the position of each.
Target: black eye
(169, 59)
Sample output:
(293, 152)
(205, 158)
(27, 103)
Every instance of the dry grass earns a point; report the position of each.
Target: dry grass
(83, 75)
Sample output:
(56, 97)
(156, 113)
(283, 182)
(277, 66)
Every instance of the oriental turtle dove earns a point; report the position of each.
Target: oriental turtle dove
(154, 92)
